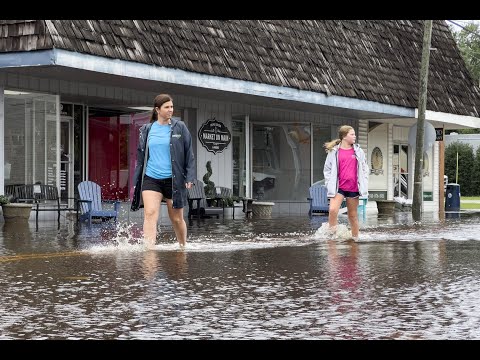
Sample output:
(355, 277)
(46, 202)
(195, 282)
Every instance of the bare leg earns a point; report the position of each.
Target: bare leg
(333, 208)
(151, 203)
(352, 210)
(178, 223)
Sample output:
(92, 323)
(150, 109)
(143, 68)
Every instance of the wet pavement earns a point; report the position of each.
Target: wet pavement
(276, 278)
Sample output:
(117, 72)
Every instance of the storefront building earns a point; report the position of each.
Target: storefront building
(73, 95)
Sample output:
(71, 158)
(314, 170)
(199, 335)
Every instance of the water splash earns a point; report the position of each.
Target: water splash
(125, 237)
(129, 238)
(127, 234)
(324, 232)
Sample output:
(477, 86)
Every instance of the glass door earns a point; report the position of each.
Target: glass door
(66, 159)
(400, 170)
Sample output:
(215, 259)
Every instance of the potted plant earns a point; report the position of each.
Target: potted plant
(14, 211)
(385, 207)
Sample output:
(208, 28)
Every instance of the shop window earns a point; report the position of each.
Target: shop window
(280, 161)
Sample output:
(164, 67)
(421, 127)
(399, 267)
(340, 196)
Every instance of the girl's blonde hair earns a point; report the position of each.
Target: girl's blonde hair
(342, 132)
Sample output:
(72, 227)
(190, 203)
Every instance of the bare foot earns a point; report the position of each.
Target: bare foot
(149, 245)
(332, 233)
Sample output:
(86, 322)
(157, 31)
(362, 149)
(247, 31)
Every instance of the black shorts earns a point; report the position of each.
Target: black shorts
(349, 194)
(163, 186)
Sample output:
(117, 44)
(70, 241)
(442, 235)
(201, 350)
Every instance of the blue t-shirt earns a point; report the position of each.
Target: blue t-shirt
(159, 164)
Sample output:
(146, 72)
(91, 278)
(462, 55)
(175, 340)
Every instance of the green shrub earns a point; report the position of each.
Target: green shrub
(209, 185)
(4, 199)
(466, 161)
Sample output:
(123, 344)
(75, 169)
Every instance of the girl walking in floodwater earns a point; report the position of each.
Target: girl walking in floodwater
(346, 177)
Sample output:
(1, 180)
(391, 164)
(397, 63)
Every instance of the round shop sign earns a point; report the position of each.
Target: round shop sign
(214, 136)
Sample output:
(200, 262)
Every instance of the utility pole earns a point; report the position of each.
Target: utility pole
(422, 105)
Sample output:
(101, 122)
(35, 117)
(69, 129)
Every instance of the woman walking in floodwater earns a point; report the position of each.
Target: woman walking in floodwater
(346, 176)
(165, 170)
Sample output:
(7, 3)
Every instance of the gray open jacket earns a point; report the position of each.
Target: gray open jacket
(183, 163)
(330, 171)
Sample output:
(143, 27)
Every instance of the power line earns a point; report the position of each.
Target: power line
(464, 28)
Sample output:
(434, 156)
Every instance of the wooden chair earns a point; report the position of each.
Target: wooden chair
(90, 203)
(318, 199)
(198, 204)
(362, 206)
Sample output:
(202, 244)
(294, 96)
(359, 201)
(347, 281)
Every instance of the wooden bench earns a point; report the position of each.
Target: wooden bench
(202, 209)
(223, 196)
(42, 197)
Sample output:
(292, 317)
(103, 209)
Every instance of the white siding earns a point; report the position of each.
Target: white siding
(390, 161)
(221, 162)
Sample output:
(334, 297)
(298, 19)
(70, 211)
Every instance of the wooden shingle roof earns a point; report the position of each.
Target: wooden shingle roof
(364, 59)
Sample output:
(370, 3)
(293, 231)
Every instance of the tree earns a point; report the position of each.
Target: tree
(468, 42)
(476, 174)
(465, 166)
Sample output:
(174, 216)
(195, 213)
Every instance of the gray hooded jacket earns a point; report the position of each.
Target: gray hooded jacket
(183, 163)
(330, 171)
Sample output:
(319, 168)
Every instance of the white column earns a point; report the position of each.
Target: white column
(57, 122)
(362, 136)
(389, 168)
(248, 190)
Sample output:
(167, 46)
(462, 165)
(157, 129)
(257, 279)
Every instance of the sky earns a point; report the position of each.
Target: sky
(461, 22)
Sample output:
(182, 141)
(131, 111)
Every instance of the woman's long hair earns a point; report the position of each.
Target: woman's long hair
(158, 102)
(342, 132)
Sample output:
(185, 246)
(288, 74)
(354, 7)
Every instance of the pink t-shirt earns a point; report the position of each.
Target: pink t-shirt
(347, 170)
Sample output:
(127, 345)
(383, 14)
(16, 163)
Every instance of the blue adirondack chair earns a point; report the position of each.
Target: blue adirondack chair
(90, 203)
(318, 199)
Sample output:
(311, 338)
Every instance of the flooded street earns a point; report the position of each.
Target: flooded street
(273, 278)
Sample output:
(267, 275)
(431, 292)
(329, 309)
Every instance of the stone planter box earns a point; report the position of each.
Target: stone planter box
(262, 209)
(386, 207)
(16, 211)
